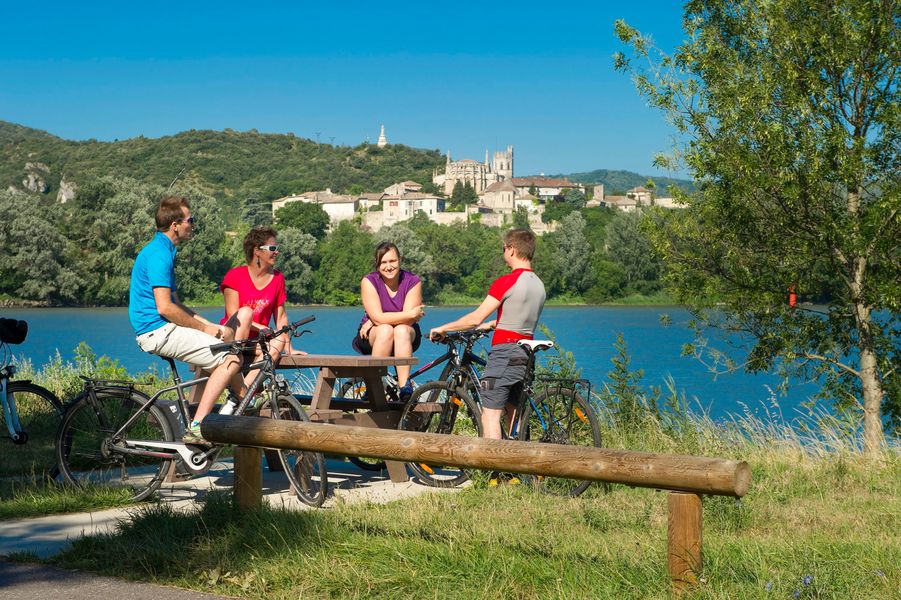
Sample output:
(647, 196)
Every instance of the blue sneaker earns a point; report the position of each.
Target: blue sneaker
(405, 392)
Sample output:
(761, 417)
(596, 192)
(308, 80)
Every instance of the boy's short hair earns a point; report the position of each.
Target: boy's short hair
(255, 238)
(522, 241)
(169, 211)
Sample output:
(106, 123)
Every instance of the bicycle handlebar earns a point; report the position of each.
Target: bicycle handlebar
(468, 336)
(265, 336)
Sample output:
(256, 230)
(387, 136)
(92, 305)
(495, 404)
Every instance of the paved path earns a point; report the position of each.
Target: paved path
(21, 581)
(46, 536)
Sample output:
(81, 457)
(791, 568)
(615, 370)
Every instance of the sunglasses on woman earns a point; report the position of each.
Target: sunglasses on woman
(270, 248)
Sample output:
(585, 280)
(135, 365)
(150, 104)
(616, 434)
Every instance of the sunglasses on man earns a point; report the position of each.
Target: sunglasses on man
(189, 220)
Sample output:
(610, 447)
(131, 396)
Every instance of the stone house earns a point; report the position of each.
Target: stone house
(339, 207)
(547, 188)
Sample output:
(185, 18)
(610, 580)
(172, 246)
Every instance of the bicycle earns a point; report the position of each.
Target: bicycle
(456, 358)
(115, 435)
(555, 412)
(29, 414)
(356, 388)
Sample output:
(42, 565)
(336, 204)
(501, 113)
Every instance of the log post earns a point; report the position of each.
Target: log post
(248, 477)
(684, 539)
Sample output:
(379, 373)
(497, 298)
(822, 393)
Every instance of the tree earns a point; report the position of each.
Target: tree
(257, 211)
(609, 279)
(307, 217)
(463, 194)
(574, 197)
(345, 256)
(33, 265)
(555, 210)
(575, 260)
(631, 249)
(102, 251)
(521, 218)
(790, 114)
(430, 188)
(295, 261)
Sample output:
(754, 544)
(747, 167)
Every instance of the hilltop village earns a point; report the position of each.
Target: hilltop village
(495, 194)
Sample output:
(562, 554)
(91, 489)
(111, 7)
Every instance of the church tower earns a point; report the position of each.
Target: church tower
(503, 164)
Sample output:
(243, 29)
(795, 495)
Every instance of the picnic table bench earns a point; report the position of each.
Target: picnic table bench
(377, 411)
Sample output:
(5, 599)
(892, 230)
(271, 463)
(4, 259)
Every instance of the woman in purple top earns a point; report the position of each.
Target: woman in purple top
(392, 299)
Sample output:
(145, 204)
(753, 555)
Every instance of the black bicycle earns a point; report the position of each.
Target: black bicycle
(459, 357)
(114, 435)
(29, 414)
(549, 409)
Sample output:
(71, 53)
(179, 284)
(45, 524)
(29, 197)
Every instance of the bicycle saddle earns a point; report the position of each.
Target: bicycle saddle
(536, 345)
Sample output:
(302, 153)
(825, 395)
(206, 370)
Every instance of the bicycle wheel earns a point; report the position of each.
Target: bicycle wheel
(352, 389)
(305, 470)
(559, 416)
(89, 455)
(438, 408)
(33, 453)
(355, 389)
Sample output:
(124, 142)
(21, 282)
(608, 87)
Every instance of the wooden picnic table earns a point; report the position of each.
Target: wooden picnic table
(371, 369)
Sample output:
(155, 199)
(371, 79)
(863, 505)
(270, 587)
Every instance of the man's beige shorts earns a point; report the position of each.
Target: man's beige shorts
(182, 343)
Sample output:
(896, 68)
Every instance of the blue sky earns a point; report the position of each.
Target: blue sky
(454, 76)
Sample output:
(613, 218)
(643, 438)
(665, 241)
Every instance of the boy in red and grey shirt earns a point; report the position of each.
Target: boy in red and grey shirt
(518, 298)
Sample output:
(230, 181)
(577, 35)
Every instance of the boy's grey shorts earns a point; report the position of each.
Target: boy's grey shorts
(506, 368)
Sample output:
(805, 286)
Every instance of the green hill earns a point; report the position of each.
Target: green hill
(232, 165)
(620, 181)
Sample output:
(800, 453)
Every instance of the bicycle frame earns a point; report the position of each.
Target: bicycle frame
(456, 361)
(10, 412)
(527, 393)
(194, 460)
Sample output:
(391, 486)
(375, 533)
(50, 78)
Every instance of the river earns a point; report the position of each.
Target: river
(588, 332)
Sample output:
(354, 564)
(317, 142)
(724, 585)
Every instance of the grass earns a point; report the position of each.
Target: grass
(835, 528)
(22, 498)
(819, 521)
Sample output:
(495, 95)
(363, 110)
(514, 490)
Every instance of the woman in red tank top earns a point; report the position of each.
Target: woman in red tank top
(255, 292)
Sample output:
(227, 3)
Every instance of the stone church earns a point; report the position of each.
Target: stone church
(479, 175)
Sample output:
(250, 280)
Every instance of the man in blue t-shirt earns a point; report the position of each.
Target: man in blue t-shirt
(166, 327)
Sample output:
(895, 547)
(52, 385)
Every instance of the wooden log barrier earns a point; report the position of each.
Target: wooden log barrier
(696, 474)
(687, 477)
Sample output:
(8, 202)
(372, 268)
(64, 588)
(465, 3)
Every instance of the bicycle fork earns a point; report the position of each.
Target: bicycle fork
(10, 414)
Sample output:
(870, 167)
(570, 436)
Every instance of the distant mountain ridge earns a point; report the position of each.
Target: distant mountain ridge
(621, 181)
